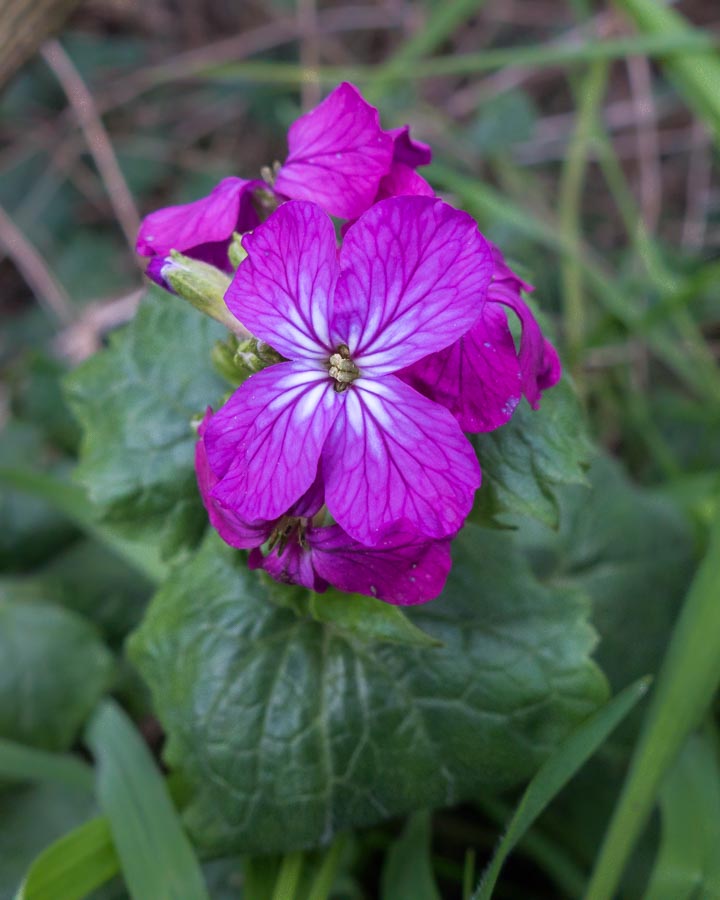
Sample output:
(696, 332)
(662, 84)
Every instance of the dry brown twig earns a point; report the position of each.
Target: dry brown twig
(98, 142)
(34, 270)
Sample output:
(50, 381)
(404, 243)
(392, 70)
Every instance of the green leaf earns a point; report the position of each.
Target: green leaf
(93, 581)
(360, 732)
(157, 859)
(23, 763)
(688, 863)
(73, 866)
(407, 873)
(526, 461)
(688, 679)
(555, 773)
(135, 402)
(55, 669)
(631, 552)
(30, 530)
(367, 618)
(31, 818)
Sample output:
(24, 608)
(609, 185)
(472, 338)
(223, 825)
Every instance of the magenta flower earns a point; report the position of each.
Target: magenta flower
(404, 569)
(410, 279)
(201, 229)
(482, 376)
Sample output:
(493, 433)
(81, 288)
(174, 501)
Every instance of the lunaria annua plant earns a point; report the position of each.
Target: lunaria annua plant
(342, 459)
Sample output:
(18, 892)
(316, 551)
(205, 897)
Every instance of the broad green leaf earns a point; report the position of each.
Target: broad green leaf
(73, 866)
(22, 763)
(407, 873)
(555, 773)
(688, 862)
(31, 818)
(157, 859)
(632, 552)
(367, 618)
(292, 730)
(54, 671)
(30, 530)
(688, 679)
(93, 581)
(135, 402)
(525, 462)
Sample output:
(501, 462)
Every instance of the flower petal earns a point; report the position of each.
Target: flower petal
(264, 444)
(338, 154)
(293, 566)
(201, 229)
(403, 569)
(403, 180)
(231, 528)
(283, 291)
(407, 150)
(414, 275)
(538, 367)
(477, 378)
(393, 455)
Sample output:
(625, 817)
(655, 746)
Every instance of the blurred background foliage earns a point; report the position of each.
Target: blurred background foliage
(583, 137)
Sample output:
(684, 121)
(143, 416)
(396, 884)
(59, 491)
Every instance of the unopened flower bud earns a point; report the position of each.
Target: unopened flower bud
(236, 359)
(202, 285)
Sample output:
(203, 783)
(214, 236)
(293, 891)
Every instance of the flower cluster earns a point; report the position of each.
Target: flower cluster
(346, 463)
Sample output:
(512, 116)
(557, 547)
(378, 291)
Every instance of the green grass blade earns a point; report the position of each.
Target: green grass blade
(22, 763)
(158, 862)
(697, 76)
(590, 94)
(554, 774)
(73, 866)
(688, 862)
(325, 877)
(540, 56)
(688, 679)
(443, 21)
(71, 501)
(483, 201)
(289, 877)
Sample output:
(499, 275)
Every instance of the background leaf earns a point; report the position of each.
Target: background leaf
(555, 773)
(157, 859)
(361, 732)
(526, 461)
(135, 402)
(407, 873)
(688, 864)
(55, 669)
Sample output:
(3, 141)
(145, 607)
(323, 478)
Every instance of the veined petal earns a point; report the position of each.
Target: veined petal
(478, 378)
(231, 528)
(337, 154)
(294, 565)
(283, 291)
(392, 455)
(538, 366)
(407, 150)
(402, 180)
(201, 225)
(264, 444)
(414, 275)
(403, 569)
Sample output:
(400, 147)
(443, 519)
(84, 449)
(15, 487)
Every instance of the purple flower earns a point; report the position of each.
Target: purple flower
(410, 278)
(339, 157)
(403, 569)
(201, 229)
(482, 376)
